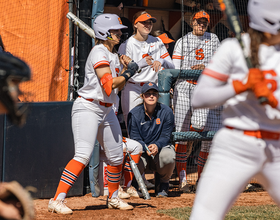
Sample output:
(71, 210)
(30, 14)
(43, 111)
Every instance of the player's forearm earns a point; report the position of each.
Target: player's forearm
(118, 82)
(211, 92)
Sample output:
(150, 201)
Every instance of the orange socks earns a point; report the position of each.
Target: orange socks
(69, 176)
(114, 174)
(201, 162)
(128, 173)
(181, 158)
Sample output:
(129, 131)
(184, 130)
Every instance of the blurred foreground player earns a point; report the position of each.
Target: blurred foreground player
(249, 144)
(15, 201)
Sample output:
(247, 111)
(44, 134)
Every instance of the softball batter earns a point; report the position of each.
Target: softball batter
(199, 46)
(150, 54)
(249, 144)
(93, 116)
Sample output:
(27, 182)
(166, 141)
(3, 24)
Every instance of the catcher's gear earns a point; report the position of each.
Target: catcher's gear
(12, 72)
(13, 193)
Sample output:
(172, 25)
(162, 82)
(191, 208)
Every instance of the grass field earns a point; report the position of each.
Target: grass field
(265, 212)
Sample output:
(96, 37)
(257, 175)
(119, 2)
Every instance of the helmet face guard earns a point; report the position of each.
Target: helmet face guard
(104, 23)
(264, 15)
(12, 72)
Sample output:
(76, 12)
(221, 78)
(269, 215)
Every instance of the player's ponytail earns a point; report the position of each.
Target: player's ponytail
(256, 39)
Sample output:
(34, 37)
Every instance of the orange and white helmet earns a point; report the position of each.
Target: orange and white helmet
(105, 22)
(264, 15)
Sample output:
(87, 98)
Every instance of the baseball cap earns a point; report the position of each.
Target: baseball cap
(145, 17)
(202, 14)
(147, 86)
(165, 39)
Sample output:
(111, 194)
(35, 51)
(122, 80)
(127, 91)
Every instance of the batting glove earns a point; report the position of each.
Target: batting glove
(254, 76)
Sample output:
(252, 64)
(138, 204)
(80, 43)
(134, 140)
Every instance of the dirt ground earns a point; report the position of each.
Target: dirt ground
(87, 207)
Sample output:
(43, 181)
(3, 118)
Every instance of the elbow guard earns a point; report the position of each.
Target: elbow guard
(107, 82)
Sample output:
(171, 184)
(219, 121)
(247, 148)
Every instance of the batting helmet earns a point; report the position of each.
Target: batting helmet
(264, 15)
(12, 72)
(105, 22)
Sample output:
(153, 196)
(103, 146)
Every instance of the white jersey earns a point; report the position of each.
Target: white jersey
(243, 111)
(137, 50)
(92, 88)
(196, 50)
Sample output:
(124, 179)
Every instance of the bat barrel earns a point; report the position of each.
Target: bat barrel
(82, 25)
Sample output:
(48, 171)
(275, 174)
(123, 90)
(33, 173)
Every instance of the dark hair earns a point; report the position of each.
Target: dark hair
(135, 16)
(2, 44)
(257, 38)
(157, 33)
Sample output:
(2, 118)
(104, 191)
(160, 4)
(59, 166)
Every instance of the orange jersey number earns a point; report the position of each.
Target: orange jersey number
(199, 54)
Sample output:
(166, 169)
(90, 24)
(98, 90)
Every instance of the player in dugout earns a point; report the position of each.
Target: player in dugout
(198, 48)
(151, 124)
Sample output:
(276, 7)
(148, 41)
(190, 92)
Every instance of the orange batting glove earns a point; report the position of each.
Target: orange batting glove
(260, 89)
(254, 76)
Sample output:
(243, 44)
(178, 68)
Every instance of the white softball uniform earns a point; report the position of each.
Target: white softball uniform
(249, 144)
(196, 50)
(92, 113)
(138, 50)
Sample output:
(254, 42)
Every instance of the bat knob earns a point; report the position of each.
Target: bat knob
(263, 100)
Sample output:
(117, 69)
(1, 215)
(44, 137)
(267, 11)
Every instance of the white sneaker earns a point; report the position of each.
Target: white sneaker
(117, 203)
(122, 194)
(148, 184)
(59, 207)
(183, 187)
(133, 192)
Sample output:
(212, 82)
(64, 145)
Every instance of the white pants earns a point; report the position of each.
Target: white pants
(234, 159)
(90, 121)
(130, 98)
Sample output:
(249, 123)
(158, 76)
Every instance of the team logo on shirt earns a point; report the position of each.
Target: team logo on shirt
(158, 121)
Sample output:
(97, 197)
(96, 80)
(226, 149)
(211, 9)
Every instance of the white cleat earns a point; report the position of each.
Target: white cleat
(117, 203)
(122, 194)
(148, 184)
(133, 192)
(59, 207)
(183, 187)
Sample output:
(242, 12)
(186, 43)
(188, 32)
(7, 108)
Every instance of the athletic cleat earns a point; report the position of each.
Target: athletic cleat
(162, 194)
(148, 184)
(122, 194)
(59, 207)
(117, 203)
(163, 190)
(183, 187)
(133, 192)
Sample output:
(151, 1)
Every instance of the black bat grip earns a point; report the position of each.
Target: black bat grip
(263, 100)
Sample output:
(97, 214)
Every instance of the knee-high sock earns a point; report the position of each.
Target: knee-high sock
(127, 172)
(114, 174)
(69, 176)
(201, 162)
(181, 159)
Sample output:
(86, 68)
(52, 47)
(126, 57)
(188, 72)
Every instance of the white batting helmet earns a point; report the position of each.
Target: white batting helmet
(264, 15)
(105, 22)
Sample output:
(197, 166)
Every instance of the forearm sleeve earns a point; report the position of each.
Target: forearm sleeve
(211, 92)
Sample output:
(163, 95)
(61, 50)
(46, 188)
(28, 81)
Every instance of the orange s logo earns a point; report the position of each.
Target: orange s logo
(120, 20)
(199, 53)
(117, 70)
(158, 121)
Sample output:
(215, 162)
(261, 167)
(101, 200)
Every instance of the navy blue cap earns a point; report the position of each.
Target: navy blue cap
(148, 86)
